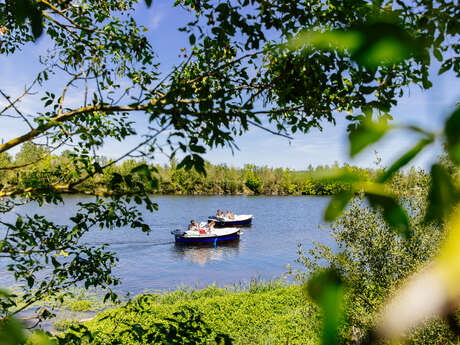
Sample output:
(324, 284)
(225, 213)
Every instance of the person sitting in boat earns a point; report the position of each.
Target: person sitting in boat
(202, 228)
(218, 213)
(211, 226)
(229, 215)
(221, 214)
(192, 225)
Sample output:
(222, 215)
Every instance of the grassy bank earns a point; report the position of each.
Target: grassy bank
(261, 314)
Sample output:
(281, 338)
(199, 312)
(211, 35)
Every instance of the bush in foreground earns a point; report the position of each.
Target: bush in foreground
(279, 315)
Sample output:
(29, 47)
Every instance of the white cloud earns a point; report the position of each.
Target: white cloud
(156, 19)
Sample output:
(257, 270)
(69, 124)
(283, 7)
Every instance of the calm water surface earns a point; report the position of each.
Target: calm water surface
(154, 262)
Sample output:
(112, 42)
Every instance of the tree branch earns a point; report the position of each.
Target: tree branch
(57, 120)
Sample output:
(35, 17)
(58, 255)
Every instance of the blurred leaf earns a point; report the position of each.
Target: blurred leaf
(143, 171)
(337, 175)
(442, 196)
(192, 39)
(367, 89)
(116, 180)
(21, 10)
(36, 19)
(342, 40)
(404, 159)
(11, 332)
(436, 284)
(327, 290)
(386, 50)
(148, 3)
(40, 338)
(448, 262)
(154, 183)
(197, 148)
(383, 41)
(98, 168)
(452, 132)
(392, 212)
(193, 161)
(337, 205)
(367, 132)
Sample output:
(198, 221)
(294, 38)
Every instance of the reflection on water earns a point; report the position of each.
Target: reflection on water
(201, 254)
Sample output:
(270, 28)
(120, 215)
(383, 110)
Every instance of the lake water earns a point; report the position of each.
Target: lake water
(154, 262)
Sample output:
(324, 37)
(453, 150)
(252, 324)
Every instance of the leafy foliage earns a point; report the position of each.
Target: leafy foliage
(373, 51)
(372, 261)
(266, 313)
(327, 290)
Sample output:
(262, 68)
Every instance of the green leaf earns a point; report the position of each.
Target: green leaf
(193, 161)
(337, 205)
(30, 281)
(21, 10)
(185, 163)
(404, 159)
(192, 39)
(447, 65)
(197, 148)
(336, 39)
(143, 171)
(198, 164)
(148, 3)
(385, 42)
(372, 44)
(452, 133)
(154, 183)
(367, 132)
(11, 332)
(392, 212)
(116, 179)
(327, 290)
(442, 196)
(437, 54)
(19, 222)
(343, 175)
(36, 18)
(55, 262)
(98, 168)
(367, 89)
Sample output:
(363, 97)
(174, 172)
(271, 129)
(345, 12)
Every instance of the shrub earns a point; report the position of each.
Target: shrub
(373, 260)
(65, 324)
(274, 314)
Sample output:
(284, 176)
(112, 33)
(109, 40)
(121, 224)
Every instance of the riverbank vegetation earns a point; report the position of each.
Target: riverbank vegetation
(264, 313)
(171, 178)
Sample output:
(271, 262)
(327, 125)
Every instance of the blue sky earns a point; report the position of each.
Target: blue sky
(424, 108)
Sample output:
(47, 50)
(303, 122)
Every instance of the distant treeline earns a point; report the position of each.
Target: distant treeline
(221, 179)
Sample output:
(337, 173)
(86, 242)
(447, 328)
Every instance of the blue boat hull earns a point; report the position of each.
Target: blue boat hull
(225, 224)
(207, 240)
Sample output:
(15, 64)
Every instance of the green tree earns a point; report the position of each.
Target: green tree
(31, 153)
(252, 179)
(5, 160)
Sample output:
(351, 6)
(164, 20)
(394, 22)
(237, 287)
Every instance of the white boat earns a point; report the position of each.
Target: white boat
(214, 236)
(236, 220)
